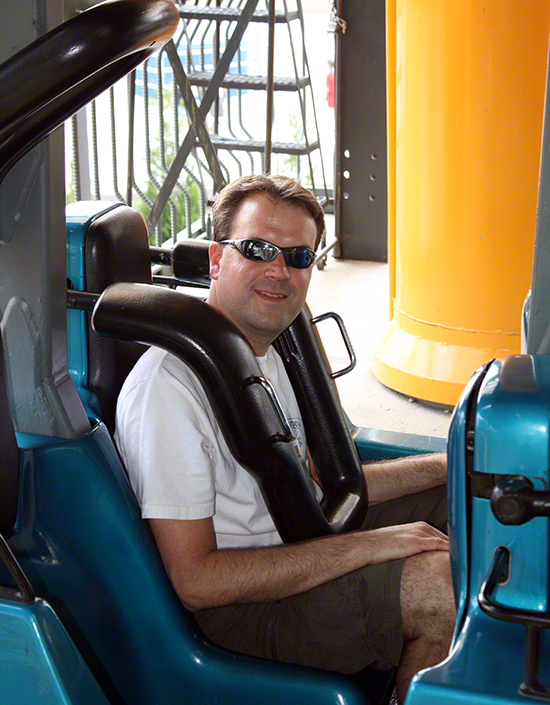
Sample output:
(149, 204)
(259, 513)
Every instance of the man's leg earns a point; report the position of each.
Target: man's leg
(343, 625)
(428, 613)
(380, 615)
(426, 594)
(398, 614)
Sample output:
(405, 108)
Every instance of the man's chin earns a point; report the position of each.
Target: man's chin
(272, 326)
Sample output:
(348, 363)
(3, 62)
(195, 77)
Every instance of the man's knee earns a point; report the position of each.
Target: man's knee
(427, 601)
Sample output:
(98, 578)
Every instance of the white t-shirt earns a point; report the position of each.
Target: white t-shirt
(179, 464)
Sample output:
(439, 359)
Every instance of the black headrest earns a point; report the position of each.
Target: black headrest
(190, 261)
(116, 250)
(9, 456)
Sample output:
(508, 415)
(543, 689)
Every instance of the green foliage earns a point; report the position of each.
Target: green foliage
(290, 161)
(150, 187)
(69, 190)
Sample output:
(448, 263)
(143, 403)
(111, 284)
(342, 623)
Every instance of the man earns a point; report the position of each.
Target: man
(381, 596)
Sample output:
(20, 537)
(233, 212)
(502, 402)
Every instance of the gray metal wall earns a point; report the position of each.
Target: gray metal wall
(32, 260)
(361, 164)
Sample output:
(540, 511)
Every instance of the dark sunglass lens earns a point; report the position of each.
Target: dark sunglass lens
(249, 250)
(259, 250)
(299, 257)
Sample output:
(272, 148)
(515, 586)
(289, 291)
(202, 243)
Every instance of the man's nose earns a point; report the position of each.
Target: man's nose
(277, 268)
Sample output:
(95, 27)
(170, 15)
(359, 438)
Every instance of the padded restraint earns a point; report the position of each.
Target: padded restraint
(9, 456)
(229, 372)
(116, 250)
(328, 435)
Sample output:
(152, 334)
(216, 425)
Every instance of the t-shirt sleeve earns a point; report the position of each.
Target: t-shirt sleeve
(163, 442)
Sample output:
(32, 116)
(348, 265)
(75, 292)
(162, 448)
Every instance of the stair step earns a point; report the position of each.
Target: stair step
(192, 12)
(241, 81)
(297, 148)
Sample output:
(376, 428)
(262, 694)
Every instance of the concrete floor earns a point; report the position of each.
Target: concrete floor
(358, 292)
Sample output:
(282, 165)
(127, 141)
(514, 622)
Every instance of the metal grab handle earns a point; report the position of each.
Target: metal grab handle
(347, 342)
(533, 622)
(24, 592)
(263, 382)
(279, 411)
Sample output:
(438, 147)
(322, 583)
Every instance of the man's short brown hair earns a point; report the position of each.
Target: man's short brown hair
(280, 189)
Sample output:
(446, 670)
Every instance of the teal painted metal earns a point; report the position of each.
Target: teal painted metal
(515, 395)
(376, 444)
(484, 668)
(39, 662)
(456, 498)
(508, 408)
(511, 437)
(81, 541)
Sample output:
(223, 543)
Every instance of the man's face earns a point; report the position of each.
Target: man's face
(262, 298)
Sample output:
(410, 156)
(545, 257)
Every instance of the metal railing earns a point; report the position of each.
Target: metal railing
(129, 144)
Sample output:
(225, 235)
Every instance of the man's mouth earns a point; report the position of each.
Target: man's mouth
(271, 294)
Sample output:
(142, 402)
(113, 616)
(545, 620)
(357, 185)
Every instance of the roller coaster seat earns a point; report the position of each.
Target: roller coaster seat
(80, 540)
(110, 245)
(115, 632)
(377, 684)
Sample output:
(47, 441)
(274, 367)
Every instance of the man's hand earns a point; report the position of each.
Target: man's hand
(204, 576)
(405, 540)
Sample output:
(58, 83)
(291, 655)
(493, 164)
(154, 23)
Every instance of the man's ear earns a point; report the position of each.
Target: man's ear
(215, 252)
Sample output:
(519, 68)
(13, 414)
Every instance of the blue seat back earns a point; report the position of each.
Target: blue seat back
(106, 243)
(85, 548)
(38, 660)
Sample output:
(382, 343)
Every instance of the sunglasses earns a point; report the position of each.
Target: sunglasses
(262, 251)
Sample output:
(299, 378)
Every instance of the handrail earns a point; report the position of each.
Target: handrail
(23, 592)
(345, 338)
(57, 74)
(533, 621)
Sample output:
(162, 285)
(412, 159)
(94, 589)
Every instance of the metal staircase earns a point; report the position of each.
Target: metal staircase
(298, 83)
(235, 83)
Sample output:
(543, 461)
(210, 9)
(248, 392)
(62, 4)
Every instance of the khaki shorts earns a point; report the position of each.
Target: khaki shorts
(343, 625)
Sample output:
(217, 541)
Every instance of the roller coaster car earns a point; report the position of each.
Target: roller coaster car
(498, 508)
(100, 238)
(107, 626)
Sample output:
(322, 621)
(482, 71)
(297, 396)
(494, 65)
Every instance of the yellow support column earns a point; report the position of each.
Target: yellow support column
(470, 80)
(391, 72)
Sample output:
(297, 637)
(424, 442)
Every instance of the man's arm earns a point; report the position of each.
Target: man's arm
(204, 576)
(390, 479)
